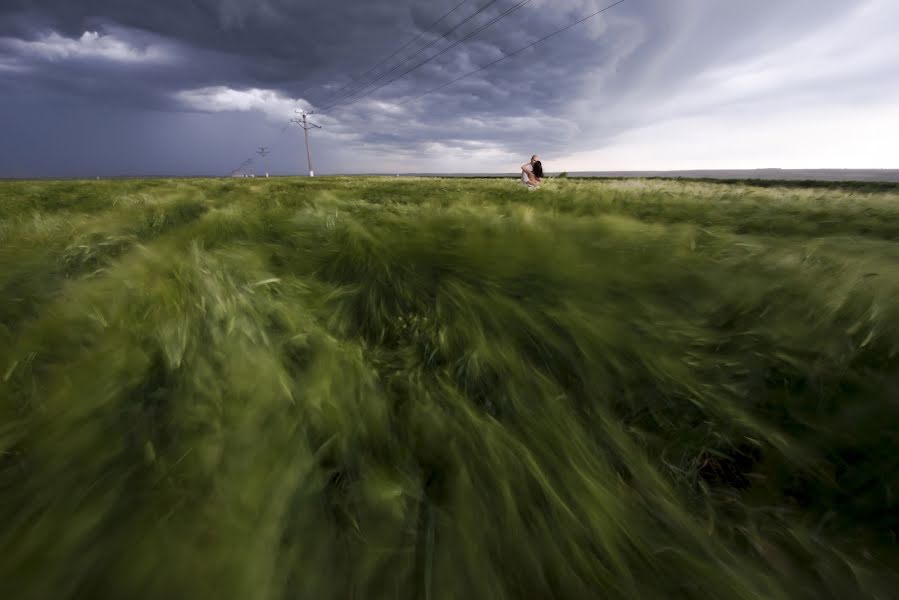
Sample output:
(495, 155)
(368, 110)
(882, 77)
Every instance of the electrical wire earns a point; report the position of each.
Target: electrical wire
(415, 54)
(403, 47)
(479, 69)
(519, 51)
(484, 27)
(271, 146)
(355, 96)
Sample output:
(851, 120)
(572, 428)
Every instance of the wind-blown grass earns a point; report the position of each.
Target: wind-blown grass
(379, 388)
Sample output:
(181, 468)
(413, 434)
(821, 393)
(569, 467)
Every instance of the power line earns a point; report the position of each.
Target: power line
(444, 51)
(403, 47)
(519, 51)
(356, 92)
(269, 147)
(409, 58)
(482, 68)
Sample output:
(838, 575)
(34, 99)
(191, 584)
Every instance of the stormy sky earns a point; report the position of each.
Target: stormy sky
(178, 87)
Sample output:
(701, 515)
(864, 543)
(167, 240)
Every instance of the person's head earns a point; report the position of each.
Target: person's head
(534, 159)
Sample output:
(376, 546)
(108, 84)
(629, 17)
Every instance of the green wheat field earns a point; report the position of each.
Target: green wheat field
(365, 388)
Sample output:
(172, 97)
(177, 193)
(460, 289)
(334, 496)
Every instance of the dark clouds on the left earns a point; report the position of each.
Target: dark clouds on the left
(275, 44)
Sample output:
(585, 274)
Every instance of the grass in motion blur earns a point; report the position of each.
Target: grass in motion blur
(367, 388)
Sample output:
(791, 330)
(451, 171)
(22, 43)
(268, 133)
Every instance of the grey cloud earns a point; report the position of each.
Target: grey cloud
(577, 90)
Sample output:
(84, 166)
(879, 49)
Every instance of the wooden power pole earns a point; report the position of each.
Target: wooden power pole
(306, 125)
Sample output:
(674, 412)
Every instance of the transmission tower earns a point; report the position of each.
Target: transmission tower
(239, 171)
(263, 152)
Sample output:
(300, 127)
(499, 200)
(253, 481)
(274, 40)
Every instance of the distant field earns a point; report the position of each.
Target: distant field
(793, 175)
(448, 388)
(885, 179)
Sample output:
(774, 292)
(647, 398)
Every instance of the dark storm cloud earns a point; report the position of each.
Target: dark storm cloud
(205, 57)
(287, 45)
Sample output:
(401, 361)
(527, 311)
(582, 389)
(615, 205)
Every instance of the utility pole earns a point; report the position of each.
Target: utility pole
(263, 152)
(306, 125)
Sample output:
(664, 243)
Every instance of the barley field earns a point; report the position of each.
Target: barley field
(364, 388)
